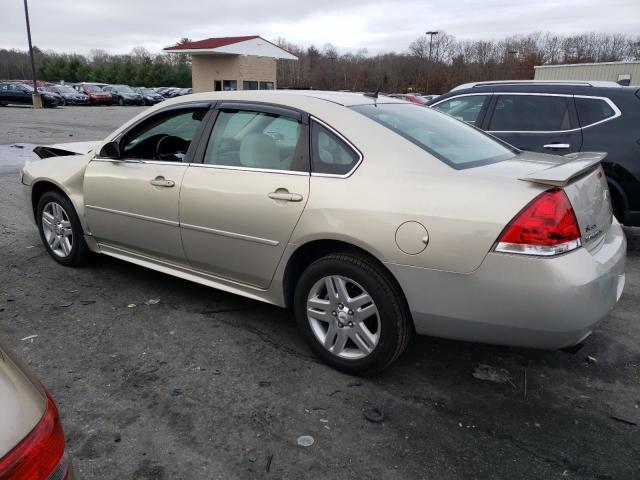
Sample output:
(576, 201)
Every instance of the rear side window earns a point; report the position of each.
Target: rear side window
(252, 139)
(330, 154)
(593, 110)
(530, 113)
(456, 144)
(465, 108)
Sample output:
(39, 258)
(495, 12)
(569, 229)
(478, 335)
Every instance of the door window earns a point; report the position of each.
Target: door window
(329, 153)
(165, 136)
(465, 108)
(253, 139)
(530, 113)
(593, 110)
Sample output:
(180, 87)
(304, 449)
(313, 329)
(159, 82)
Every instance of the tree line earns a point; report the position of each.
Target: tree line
(451, 63)
(139, 68)
(424, 67)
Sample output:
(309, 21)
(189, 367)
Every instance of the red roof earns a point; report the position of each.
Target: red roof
(211, 43)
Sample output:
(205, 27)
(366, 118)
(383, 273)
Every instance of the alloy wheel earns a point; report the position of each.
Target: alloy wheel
(343, 317)
(57, 230)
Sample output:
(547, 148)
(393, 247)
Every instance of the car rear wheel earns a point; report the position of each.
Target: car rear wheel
(351, 313)
(121, 102)
(60, 229)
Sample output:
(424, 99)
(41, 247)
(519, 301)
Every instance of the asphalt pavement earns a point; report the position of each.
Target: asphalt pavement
(160, 378)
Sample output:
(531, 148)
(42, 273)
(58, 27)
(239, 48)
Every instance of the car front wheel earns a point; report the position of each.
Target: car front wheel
(60, 229)
(121, 102)
(352, 314)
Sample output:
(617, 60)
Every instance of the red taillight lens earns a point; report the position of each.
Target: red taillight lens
(546, 226)
(41, 453)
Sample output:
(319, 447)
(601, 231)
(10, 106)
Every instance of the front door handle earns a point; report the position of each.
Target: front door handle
(160, 181)
(284, 194)
(557, 145)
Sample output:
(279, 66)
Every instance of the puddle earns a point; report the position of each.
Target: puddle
(14, 156)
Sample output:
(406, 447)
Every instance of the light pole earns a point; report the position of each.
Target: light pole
(37, 100)
(431, 33)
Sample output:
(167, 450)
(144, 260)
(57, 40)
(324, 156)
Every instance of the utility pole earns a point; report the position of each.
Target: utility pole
(431, 34)
(37, 100)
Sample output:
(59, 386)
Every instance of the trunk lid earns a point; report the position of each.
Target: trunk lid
(579, 175)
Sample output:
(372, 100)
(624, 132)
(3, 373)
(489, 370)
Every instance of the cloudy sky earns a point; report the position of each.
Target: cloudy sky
(378, 25)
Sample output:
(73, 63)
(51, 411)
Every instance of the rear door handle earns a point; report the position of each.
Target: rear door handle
(283, 194)
(162, 182)
(557, 145)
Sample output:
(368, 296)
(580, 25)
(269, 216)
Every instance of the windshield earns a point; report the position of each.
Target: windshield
(93, 88)
(123, 89)
(455, 143)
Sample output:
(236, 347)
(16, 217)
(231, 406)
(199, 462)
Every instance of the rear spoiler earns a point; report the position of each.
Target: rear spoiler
(562, 174)
(64, 149)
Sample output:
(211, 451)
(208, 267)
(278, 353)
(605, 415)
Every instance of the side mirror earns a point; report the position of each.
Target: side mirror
(110, 150)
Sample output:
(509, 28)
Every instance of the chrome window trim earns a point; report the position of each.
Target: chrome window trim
(347, 142)
(247, 169)
(617, 111)
(224, 233)
(135, 160)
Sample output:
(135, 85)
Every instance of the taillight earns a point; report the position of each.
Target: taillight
(546, 226)
(41, 455)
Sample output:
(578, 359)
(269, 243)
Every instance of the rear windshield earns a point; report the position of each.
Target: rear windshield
(452, 141)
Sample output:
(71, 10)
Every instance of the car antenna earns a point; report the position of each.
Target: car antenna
(373, 94)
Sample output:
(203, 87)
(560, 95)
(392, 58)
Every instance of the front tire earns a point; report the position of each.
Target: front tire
(352, 314)
(60, 230)
(121, 102)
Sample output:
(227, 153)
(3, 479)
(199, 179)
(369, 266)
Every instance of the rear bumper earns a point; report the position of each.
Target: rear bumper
(521, 301)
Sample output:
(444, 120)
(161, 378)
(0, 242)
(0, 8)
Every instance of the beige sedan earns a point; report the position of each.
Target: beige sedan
(371, 217)
(32, 445)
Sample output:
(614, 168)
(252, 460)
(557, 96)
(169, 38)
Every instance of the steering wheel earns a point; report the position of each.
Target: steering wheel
(171, 148)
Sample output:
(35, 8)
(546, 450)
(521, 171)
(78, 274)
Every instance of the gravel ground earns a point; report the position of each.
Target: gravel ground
(205, 385)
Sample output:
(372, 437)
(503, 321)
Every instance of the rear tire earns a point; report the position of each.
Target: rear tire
(121, 102)
(60, 230)
(364, 329)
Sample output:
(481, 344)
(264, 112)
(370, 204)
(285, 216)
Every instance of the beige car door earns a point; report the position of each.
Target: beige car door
(132, 202)
(240, 203)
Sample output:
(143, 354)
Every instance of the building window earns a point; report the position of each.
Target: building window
(249, 85)
(229, 85)
(266, 85)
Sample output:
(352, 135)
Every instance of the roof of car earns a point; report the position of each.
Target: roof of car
(347, 99)
(565, 88)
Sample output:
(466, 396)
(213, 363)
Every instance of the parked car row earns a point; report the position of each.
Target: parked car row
(86, 93)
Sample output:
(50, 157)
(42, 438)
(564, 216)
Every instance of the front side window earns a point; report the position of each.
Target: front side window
(166, 136)
(530, 113)
(456, 144)
(593, 110)
(465, 108)
(250, 139)
(330, 154)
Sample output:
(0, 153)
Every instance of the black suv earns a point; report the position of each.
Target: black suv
(559, 118)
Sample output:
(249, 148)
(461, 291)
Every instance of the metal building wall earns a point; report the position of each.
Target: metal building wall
(590, 71)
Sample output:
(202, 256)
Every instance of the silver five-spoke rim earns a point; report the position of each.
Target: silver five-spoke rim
(56, 227)
(343, 317)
